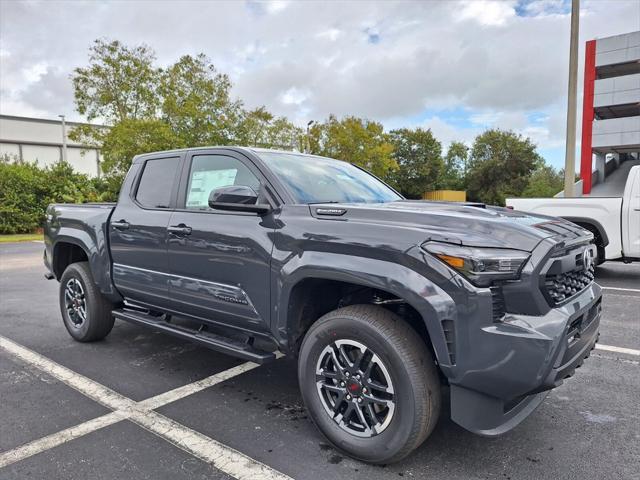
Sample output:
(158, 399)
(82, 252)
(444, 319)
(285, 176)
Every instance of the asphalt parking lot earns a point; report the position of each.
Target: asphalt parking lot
(143, 405)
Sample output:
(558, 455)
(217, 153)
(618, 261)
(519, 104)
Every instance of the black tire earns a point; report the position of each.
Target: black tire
(406, 359)
(97, 322)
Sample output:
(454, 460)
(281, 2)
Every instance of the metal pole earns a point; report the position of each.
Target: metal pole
(308, 142)
(570, 152)
(64, 139)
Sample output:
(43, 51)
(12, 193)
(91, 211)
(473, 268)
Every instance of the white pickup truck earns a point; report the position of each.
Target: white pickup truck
(614, 221)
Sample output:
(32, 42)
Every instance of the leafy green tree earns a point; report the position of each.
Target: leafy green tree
(128, 138)
(260, 128)
(119, 83)
(419, 158)
(500, 163)
(356, 140)
(455, 165)
(196, 103)
(546, 181)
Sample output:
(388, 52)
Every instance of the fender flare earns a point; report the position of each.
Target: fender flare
(97, 255)
(430, 301)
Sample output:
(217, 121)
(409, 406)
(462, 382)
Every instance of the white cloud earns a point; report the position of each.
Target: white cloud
(389, 61)
(331, 34)
(488, 13)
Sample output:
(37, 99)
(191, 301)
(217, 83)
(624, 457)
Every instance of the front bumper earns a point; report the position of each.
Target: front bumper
(516, 361)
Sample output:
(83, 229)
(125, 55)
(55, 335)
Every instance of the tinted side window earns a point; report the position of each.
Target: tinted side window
(154, 189)
(209, 172)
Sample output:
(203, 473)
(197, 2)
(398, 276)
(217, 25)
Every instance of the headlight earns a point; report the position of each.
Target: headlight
(481, 266)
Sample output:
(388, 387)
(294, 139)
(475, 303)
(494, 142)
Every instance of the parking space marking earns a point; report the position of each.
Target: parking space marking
(220, 456)
(94, 390)
(50, 441)
(205, 448)
(636, 290)
(609, 348)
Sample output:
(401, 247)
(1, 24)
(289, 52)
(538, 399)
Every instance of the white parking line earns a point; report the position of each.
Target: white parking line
(637, 290)
(220, 456)
(609, 348)
(50, 441)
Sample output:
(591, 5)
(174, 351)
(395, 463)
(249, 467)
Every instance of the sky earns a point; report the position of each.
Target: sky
(456, 67)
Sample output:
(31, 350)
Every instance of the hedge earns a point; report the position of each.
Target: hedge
(26, 190)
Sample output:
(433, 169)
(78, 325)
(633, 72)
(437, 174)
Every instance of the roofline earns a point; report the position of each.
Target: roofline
(49, 121)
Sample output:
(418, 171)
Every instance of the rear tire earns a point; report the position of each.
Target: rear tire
(86, 313)
(391, 407)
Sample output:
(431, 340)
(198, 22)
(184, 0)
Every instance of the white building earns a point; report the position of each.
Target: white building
(40, 140)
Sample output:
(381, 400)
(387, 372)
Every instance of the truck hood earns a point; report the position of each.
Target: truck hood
(462, 223)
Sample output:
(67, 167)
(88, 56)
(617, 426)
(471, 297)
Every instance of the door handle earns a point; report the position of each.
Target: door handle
(181, 229)
(121, 225)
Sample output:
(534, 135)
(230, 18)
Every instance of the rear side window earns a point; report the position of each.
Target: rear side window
(156, 184)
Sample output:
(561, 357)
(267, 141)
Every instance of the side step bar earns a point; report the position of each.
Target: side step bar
(219, 343)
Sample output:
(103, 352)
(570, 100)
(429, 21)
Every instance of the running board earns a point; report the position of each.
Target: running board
(219, 343)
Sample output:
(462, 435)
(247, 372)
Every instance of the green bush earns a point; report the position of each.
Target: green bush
(26, 190)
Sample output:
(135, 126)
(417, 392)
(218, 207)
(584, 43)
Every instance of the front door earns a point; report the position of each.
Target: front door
(219, 260)
(138, 231)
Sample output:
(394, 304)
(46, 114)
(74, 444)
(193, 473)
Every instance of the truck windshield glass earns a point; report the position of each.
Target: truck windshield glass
(317, 179)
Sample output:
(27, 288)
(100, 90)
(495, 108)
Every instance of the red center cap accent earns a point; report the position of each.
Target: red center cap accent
(354, 387)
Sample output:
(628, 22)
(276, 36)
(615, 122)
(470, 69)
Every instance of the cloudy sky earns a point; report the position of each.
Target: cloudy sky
(457, 67)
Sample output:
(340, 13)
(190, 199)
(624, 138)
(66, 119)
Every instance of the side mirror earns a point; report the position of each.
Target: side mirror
(239, 198)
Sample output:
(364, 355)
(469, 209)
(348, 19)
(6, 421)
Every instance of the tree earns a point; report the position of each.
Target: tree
(120, 83)
(356, 140)
(419, 158)
(129, 138)
(546, 181)
(196, 103)
(259, 128)
(499, 165)
(455, 165)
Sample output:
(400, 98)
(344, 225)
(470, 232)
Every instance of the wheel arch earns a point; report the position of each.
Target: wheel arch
(599, 233)
(311, 291)
(78, 246)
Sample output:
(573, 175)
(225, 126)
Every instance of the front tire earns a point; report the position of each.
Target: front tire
(85, 312)
(369, 383)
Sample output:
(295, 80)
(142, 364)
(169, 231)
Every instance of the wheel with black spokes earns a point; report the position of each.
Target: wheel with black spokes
(369, 382)
(86, 313)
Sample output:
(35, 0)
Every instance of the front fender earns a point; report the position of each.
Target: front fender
(432, 302)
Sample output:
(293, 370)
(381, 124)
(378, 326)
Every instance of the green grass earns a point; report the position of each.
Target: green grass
(20, 237)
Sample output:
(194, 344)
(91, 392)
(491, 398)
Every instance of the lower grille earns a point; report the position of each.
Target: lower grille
(562, 286)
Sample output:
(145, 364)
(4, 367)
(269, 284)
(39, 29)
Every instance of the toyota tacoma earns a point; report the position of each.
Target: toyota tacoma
(385, 302)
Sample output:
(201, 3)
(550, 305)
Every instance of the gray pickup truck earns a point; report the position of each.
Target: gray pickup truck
(385, 302)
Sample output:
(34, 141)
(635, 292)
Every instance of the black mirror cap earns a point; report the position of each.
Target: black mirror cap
(233, 194)
(238, 198)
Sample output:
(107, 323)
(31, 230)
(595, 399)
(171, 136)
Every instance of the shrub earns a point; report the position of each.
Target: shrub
(26, 190)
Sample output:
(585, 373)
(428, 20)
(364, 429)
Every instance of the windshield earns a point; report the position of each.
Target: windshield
(313, 179)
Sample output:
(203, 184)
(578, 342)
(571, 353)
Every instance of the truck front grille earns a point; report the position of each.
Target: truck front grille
(562, 286)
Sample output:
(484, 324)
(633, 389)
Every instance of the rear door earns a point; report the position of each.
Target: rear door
(219, 260)
(138, 231)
